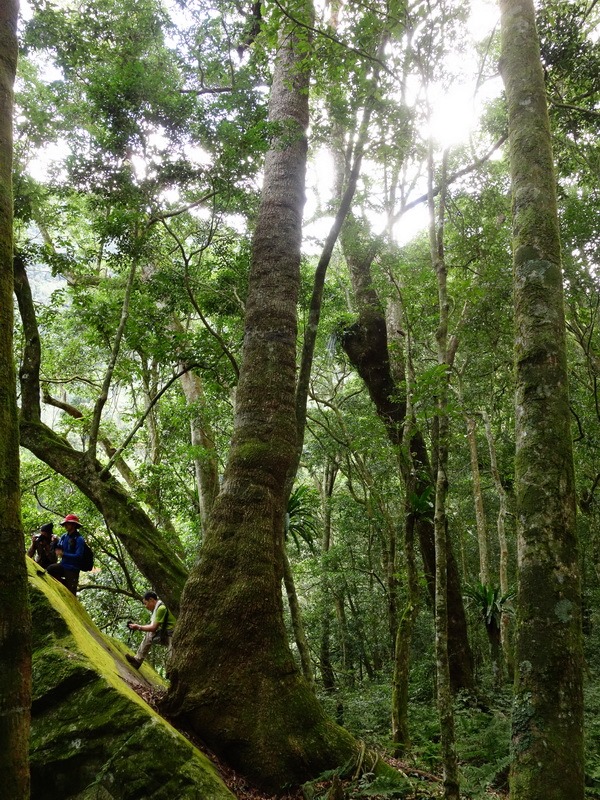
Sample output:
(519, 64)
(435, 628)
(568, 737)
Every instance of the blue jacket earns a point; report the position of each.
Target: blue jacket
(72, 547)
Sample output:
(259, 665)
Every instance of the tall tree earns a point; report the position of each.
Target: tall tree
(547, 727)
(440, 521)
(264, 718)
(15, 620)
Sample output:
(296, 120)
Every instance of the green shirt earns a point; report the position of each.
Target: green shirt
(158, 615)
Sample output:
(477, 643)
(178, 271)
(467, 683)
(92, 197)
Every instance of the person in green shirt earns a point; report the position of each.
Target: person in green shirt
(158, 631)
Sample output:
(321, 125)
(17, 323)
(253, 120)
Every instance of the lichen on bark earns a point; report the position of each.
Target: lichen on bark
(547, 732)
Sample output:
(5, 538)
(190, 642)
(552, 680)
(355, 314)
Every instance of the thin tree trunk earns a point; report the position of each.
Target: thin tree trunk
(502, 543)
(547, 726)
(444, 694)
(152, 493)
(326, 487)
(389, 548)
(206, 462)
(347, 667)
(401, 674)
(484, 561)
(361, 639)
(103, 396)
(297, 625)
(15, 619)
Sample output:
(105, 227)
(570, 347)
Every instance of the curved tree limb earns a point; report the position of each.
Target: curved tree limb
(146, 545)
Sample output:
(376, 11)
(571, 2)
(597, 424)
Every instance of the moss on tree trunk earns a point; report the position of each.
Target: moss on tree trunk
(15, 622)
(234, 680)
(547, 729)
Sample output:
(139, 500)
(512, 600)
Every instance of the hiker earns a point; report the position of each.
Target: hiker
(70, 546)
(43, 545)
(158, 631)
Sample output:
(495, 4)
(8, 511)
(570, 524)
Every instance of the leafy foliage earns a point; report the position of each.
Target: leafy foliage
(490, 602)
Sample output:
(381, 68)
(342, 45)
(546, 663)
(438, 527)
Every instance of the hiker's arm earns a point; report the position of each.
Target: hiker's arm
(150, 628)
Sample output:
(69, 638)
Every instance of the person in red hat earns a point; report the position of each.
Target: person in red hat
(71, 546)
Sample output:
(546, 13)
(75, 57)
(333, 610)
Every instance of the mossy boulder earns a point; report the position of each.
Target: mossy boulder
(92, 736)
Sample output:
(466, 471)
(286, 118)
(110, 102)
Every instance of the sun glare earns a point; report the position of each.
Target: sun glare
(454, 115)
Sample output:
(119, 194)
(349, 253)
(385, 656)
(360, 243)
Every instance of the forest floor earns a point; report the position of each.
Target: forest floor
(427, 785)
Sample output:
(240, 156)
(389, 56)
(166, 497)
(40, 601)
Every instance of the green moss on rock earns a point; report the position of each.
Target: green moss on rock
(92, 735)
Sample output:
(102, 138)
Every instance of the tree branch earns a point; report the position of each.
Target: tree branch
(589, 111)
(160, 217)
(186, 261)
(140, 422)
(451, 178)
(103, 397)
(334, 39)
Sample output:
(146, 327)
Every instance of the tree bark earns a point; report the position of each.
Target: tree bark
(403, 369)
(502, 544)
(15, 619)
(296, 617)
(440, 521)
(547, 726)
(206, 464)
(401, 674)
(263, 717)
(328, 680)
(484, 561)
(152, 494)
(206, 460)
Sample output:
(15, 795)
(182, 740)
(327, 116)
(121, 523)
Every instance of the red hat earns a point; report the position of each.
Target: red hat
(71, 518)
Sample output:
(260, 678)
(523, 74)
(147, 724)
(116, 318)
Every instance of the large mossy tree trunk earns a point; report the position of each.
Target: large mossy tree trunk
(547, 726)
(15, 620)
(233, 677)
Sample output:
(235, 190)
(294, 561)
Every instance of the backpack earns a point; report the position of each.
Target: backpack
(161, 634)
(87, 559)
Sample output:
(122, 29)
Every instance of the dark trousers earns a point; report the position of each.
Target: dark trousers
(69, 577)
